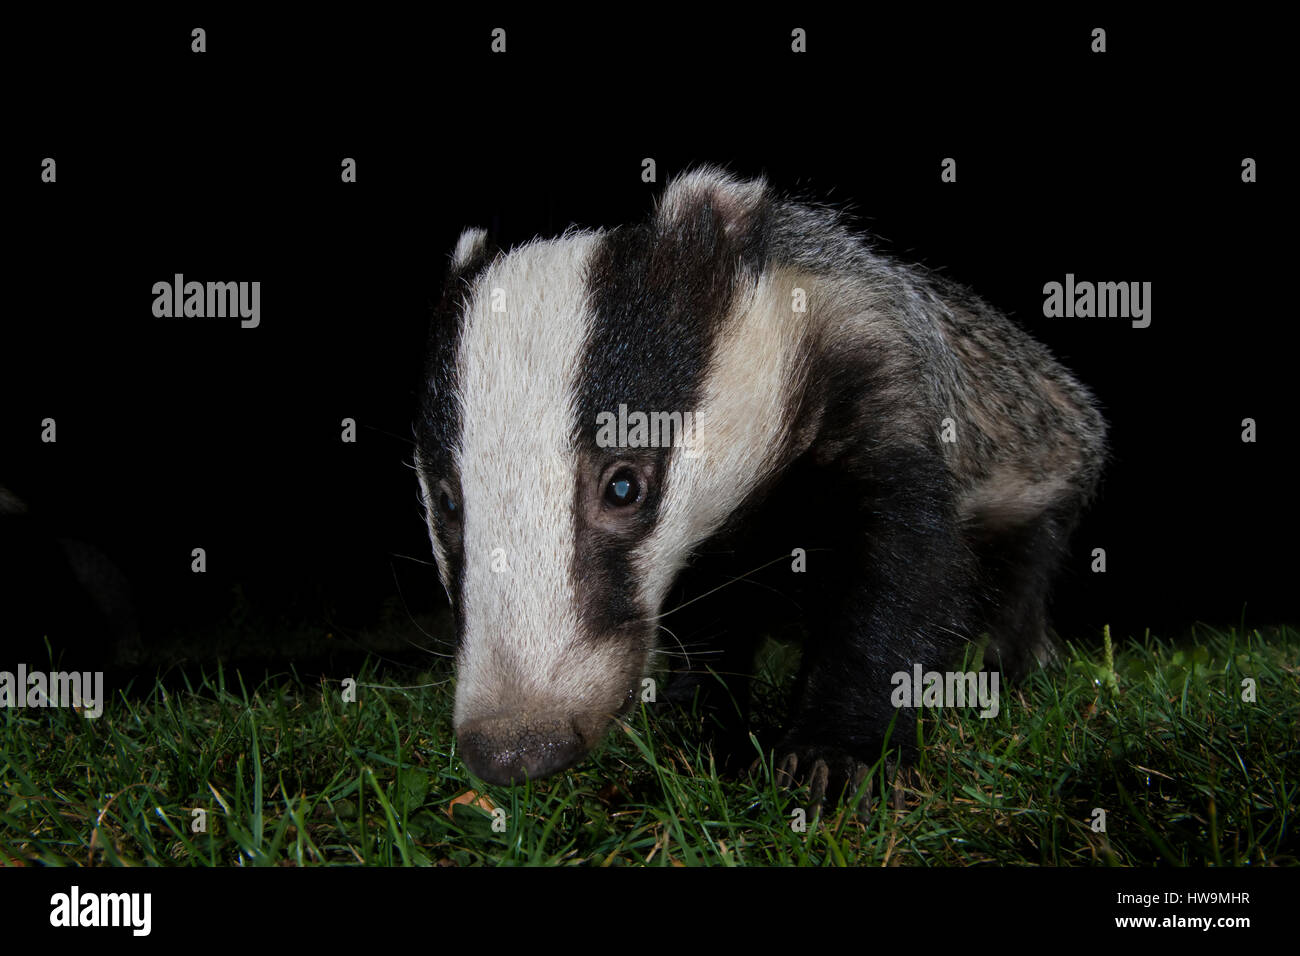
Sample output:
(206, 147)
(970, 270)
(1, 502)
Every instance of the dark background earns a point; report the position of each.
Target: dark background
(180, 433)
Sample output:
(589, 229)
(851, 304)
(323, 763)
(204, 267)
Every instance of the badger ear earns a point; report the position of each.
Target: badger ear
(735, 204)
(473, 250)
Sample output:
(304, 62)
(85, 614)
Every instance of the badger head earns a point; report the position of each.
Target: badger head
(557, 546)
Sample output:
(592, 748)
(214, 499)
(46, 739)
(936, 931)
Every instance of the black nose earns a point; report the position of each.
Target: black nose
(507, 748)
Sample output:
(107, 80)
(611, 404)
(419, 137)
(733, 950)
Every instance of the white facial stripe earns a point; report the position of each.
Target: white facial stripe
(518, 372)
(741, 430)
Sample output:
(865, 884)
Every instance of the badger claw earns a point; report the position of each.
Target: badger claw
(826, 771)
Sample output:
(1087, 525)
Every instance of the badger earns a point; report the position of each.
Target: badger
(926, 458)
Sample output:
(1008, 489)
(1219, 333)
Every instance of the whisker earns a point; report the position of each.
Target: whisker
(782, 557)
(702, 648)
(385, 432)
(436, 641)
(436, 683)
(394, 554)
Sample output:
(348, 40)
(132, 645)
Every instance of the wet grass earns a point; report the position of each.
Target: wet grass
(1189, 750)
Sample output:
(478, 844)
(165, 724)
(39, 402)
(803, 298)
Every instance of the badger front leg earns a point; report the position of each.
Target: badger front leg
(905, 576)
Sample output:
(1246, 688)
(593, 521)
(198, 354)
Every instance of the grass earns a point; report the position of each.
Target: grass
(285, 772)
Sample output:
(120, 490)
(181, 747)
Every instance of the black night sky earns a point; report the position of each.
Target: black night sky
(175, 434)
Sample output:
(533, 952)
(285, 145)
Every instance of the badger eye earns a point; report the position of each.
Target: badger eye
(448, 505)
(623, 489)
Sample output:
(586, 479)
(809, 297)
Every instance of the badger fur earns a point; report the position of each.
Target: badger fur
(819, 427)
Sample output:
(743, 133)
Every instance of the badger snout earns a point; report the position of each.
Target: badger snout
(506, 748)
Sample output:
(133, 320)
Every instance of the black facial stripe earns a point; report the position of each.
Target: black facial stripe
(607, 595)
(659, 294)
(439, 427)
(438, 430)
(605, 581)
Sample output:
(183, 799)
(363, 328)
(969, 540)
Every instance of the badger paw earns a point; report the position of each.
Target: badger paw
(828, 772)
